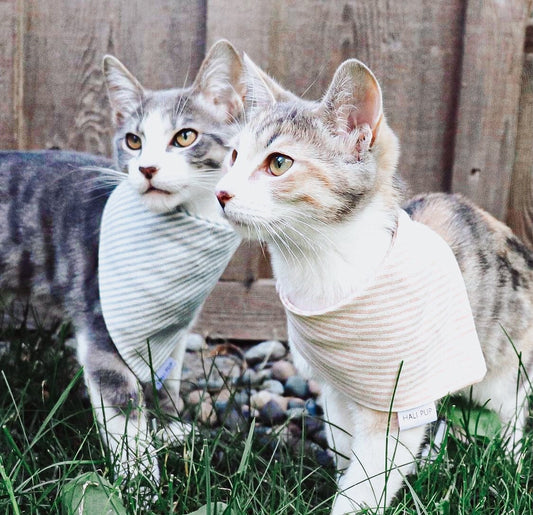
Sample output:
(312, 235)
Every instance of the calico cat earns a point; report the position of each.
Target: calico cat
(317, 181)
(169, 145)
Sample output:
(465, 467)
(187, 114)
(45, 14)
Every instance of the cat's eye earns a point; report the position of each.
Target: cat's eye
(233, 157)
(133, 141)
(278, 164)
(184, 138)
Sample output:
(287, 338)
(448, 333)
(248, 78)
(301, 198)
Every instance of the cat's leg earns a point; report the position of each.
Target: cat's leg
(381, 457)
(507, 395)
(338, 411)
(174, 430)
(117, 400)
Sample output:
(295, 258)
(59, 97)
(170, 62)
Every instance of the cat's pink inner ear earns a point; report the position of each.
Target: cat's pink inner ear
(353, 102)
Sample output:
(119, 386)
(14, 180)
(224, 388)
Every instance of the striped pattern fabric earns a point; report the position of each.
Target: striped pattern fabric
(155, 271)
(414, 316)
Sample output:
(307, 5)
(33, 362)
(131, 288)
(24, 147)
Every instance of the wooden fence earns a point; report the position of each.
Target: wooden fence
(457, 77)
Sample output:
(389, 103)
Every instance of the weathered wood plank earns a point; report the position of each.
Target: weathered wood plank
(413, 47)
(489, 98)
(249, 263)
(528, 44)
(65, 104)
(520, 214)
(9, 67)
(243, 313)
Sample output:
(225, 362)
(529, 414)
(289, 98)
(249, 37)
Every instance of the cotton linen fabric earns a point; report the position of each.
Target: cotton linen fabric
(155, 271)
(406, 339)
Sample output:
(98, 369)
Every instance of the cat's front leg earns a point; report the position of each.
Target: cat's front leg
(174, 430)
(118, 403)
(381, 456)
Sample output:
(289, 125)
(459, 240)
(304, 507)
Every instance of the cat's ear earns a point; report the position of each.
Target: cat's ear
(220, 80)
(353, 103)
(261, 89)
(124, 90)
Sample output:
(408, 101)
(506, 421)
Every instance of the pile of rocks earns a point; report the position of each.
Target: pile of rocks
(228, 385)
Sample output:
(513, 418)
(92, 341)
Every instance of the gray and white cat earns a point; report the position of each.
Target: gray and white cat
(169, 145)
(317, 181)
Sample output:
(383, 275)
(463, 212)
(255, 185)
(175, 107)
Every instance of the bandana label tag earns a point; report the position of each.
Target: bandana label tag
(416, 417)
(163, 372)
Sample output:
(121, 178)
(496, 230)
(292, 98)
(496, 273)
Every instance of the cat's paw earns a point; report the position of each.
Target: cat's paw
(175, 432)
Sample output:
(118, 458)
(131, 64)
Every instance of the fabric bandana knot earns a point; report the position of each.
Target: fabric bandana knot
(155, 271)
(406, 339)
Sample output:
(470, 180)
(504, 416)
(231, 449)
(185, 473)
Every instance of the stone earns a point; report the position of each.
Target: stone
(295, 413)
(282, 370)
(212, 384)
(314, 388)
(313, 409)
(196, 397)
(296, 386)
(195, 342)
(320, 438)
(312, 425)
(324, 458)
(272, 413)
(274, 386)
(270, 350)
(207, 414)
(259, 399)
(241, 397)
(295, 402)
(251, 377)
(228, 366)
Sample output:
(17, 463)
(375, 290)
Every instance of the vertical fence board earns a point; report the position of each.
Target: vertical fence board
(488, 103)
(64, 97)
(9, 48)
(520, 214)
(413, 47)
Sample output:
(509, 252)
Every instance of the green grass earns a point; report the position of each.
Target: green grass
(48, 437)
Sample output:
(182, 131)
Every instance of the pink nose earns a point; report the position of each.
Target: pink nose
(148, 171)
(223, 198)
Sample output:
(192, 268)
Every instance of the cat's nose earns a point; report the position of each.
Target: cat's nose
(148, 171)
(224, 197)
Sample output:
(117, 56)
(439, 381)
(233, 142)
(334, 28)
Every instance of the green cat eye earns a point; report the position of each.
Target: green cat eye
(133, 141)
(278, 164)
(184, 138)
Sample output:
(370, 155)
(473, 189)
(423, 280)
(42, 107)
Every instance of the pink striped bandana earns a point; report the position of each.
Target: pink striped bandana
(414, 315)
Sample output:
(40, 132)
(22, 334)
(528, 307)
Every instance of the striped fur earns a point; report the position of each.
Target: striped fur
(329, 219)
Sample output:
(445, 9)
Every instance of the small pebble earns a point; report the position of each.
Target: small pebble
(294, 429)
(223, 395)
(296, 413)
(313, 408)
(259, 399)
(296, 402)
(320, 438)
(234, 420)
(195, 342)
(207, 413)
(296, 386)
(269, 350)
(274, 386)
(324, 458)
(314, 388)
(227, 366)
(272, 413)
(282, 370)
(211, 384)
(196, 397)
(241, 397)
(312, 425)
(251, 377)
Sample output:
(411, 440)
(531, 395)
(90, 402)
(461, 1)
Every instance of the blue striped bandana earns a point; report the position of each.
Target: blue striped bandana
(155, 271)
